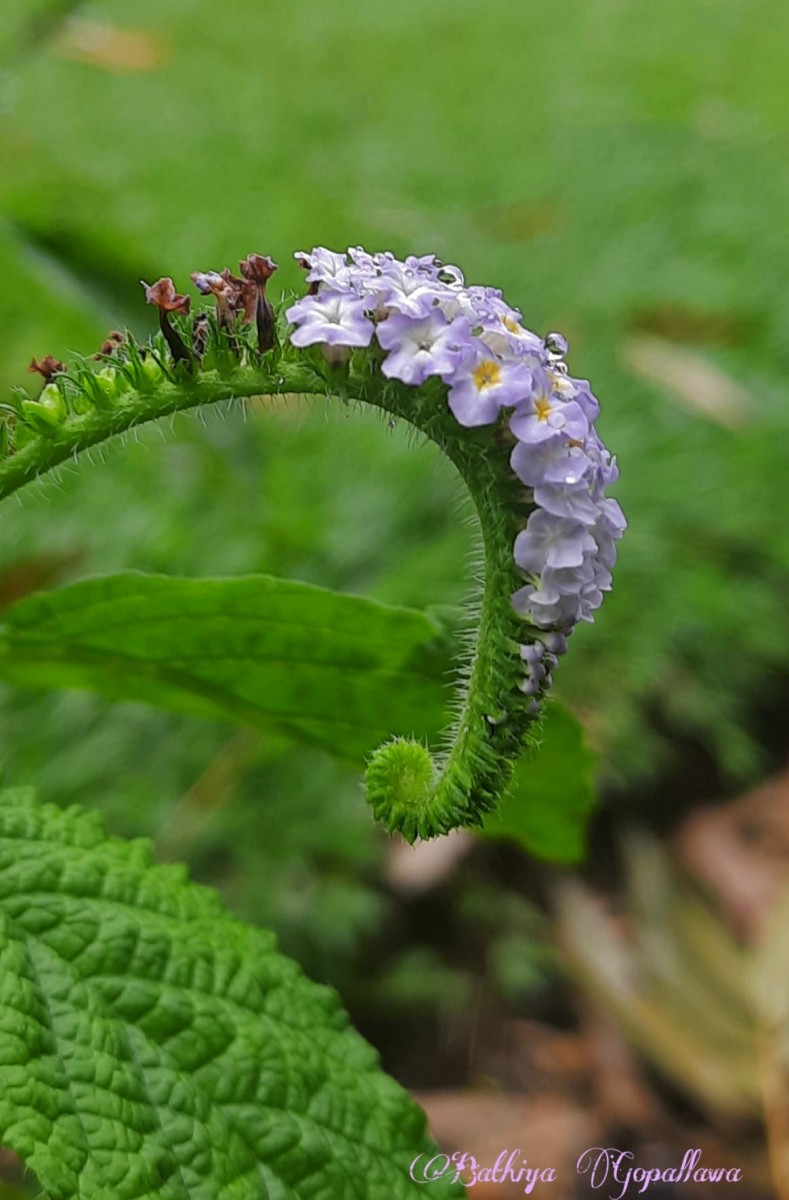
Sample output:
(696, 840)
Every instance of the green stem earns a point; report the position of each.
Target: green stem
(408, 789)
(411, 791)
(81, 431)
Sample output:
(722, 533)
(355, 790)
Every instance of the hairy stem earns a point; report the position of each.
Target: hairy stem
(81, 431)
(408, 789)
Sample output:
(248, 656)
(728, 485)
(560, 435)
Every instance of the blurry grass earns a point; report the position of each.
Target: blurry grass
(617, 168)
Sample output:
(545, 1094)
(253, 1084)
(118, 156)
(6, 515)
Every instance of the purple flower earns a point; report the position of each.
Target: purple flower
(532, 653)
(544, 414)
(417, 349)
(565, 594)
(426, 264)
(555, 644)
(325, 266)
(554, 460)
(607, 529)
(506, 336)
(431, 324)
(572, 500)
(549, 541)
(410, 292)
(367, 266)
(481, 385)
(330, 319)
(502, 330)
(546, 606)
(578, 390)
(611, 517)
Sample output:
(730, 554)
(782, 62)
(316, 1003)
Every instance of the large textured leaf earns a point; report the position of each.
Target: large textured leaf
(338, 671)
(152, 1045)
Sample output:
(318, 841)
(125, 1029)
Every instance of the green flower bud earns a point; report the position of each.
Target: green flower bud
(48, 411)
(107, 380)
(151, 369)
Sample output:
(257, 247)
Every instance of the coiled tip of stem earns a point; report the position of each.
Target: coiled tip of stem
(401, 783)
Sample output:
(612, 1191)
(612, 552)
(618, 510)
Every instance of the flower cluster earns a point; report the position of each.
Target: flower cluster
(430, 323)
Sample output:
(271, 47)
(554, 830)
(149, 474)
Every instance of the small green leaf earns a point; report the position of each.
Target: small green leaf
(152, 1045)
(337, 671)
(552, 795)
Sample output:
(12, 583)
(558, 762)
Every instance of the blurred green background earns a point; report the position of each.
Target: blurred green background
(619, 168)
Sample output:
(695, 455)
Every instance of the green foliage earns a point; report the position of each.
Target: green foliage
(552, 796)
(629, 211)
(650, 199)
(339, 672)
(153, 1045)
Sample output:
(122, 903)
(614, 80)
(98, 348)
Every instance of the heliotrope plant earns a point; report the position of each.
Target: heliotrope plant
(456, 362)
(151, 1045)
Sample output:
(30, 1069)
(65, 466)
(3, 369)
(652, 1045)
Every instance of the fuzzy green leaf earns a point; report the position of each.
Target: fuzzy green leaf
(337, 671)
(152, 1045)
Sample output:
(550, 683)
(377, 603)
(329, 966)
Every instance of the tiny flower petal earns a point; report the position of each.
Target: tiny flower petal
(549, 541)
(482, 384)
(331, 319)
(420, 348)
(553, 460)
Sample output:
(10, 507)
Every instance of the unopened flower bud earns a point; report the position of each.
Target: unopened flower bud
(49, 410)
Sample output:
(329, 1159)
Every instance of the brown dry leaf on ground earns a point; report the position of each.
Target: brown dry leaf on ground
(740, 853)
(527, 1056)
(772, 990)
(674, 1048)
(672, 978)
(546, 1130)
(411, 870)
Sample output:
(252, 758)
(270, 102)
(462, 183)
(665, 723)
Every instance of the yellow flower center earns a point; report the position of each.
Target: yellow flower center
(542, 407)
(513, 326)
(486, 374)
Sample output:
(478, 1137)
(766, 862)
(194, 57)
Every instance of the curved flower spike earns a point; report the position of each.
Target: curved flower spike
(455, 362)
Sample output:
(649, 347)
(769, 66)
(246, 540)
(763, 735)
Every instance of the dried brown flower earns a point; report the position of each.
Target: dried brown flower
(112, 342)
(48, 366)
(200, 327)
(164, 296)
(225, 290)
(258, 269)
(245, 295)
